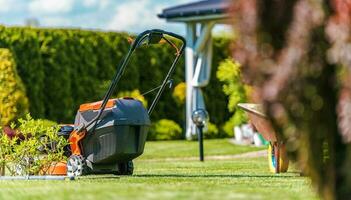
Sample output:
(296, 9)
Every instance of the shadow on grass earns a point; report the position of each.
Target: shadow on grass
(290, 175)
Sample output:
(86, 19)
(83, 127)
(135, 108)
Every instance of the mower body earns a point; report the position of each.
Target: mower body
(118, 137)
(109, 134)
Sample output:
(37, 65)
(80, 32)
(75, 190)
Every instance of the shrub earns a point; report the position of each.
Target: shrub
(36, 146)
(179, 93)
(165, 129)
(229, 73)
(13, 100)
(211, 131)
(215, 99)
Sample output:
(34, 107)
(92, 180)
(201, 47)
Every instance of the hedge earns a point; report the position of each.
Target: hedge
(13, 100)
(63, 68)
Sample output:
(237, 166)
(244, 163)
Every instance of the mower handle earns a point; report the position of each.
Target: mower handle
(171, 70)
(138, 40)
(143, 35)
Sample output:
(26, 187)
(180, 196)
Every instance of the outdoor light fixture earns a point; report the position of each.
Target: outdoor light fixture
(200, 118)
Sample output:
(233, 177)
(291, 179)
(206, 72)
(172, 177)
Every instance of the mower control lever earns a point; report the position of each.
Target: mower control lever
(169, 82)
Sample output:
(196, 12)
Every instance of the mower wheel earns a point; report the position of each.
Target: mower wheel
(76, 165)
(126, 168)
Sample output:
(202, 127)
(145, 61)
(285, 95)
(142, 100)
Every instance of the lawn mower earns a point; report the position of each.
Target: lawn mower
(107, 135)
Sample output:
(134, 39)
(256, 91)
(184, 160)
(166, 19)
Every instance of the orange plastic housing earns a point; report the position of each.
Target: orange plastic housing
(58, 169)
(96, 105)
(74, 140)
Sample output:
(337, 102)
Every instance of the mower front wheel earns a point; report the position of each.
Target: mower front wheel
(125, 168)
(76, 165)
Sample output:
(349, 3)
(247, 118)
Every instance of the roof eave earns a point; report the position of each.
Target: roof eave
(214, 17)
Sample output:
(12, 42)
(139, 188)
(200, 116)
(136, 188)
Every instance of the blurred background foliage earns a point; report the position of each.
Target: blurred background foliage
(296, 54)
(229, 73)
(179, 93)
(13, 99)
(165, 129)
(63, 68)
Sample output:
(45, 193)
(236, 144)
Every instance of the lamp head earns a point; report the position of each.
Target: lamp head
(200, 117)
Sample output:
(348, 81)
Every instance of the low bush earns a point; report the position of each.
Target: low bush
(34, 148)
(165, 129)
(179, 93)
(211, 131)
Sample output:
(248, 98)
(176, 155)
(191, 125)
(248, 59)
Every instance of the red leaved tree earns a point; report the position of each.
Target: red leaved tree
(297, 54)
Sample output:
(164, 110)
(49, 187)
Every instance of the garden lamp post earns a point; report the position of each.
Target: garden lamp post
(200, 118)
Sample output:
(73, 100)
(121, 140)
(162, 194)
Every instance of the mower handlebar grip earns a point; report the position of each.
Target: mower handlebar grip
(147, 32)
(170, 34)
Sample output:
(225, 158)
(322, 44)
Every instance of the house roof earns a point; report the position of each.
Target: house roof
(201, 10)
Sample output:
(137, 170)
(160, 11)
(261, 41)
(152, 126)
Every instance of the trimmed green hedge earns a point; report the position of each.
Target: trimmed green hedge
(63, 68)
(13, 100)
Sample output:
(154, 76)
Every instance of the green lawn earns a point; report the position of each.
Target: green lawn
(162, 174)
(179, 149)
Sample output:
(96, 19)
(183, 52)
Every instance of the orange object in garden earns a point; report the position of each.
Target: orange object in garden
(58, 169)
(96, 105)
(74, 140)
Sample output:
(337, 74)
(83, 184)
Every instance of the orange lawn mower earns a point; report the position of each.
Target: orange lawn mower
(107, 135)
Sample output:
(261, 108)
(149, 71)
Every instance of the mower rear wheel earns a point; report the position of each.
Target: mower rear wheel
(126, 168)
(76, 165)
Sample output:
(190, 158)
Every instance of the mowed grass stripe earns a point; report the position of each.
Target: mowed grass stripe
(239, 178)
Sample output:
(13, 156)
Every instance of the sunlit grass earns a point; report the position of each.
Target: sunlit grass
(158, 178)
(176, 149)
